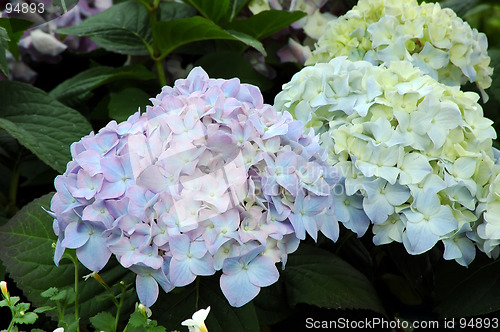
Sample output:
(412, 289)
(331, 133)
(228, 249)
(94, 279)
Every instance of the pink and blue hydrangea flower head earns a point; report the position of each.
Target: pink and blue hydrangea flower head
(208, 178)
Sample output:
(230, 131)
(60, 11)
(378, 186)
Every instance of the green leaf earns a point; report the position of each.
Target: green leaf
(26, 318)
(44, 309)
(137, 319)
(212, 10)
(103, 321)
(14, 299)
(175, 10)
(28, 256)
(15, 28)
(126, 102)
(318, 277)
(465, 292)
(401, 289)
(172, 308)
(60, 296)
(248, 40)
(229, 65)
(75, 90)
(139, 323)
(173, 34)
(271, 304)
(2, 267)
(4, 44)
(460, 7)
(123, 28)
(266, 23)
(52, 291)
(236, 6)
(494, 90)
(40, 123)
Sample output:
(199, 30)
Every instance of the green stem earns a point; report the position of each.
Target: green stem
(12, 320)
(154, 51)
(65, 10)
(11, 323)
(197, 293)
(108, 289)
(161, 72)
(73, 258)
(119, 307)
(77, 307)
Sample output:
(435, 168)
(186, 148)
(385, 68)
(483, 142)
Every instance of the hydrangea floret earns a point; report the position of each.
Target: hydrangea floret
(416, 154)
(434, 39)
(209, 178)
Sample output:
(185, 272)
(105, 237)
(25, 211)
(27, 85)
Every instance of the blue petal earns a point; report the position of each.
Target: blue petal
(95, 253)
(262, 271)
(180, 272)
(147, 289)
(238, 289)
(76, 235)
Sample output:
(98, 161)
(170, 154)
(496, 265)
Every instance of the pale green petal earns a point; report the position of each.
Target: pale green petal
(414, 168)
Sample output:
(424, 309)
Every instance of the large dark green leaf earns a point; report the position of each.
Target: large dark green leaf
(175, 10)
(78, 88)
(459, 6)
(318, 277)
(26, 246)
(4, 44)
(40, 123)
(126, 102)
(472, 291)
(494, 90)
(271, 304)
(180, 304)
(266, 23)
(123, 28)
(212, 10)
(172, 34)
(232, 64)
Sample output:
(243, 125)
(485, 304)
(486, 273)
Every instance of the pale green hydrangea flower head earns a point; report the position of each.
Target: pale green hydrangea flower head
(434, 39)
(488, 232)
(418, 152)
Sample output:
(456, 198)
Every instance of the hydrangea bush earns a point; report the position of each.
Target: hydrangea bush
(417, 152)
(434, 39)
(209, 178)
